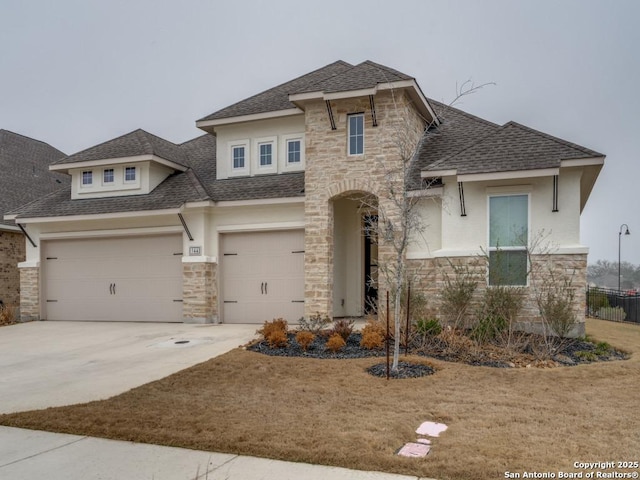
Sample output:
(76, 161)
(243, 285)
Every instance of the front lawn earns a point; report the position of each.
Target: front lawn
(333, 412)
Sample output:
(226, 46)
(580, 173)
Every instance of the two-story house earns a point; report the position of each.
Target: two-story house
(266, 214)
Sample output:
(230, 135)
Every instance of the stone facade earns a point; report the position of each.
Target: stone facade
(12, 252)
(29, 294)
(429, 277)
(331, 173)
(199, 293)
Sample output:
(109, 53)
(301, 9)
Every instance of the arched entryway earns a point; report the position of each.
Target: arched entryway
(355, 254)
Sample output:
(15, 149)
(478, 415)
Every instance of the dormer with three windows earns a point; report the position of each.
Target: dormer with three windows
(133, 164)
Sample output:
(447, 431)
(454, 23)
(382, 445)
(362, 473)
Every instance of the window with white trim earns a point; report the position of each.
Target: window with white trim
(238, 154)
(265, 151)
(108, 176)
(130, 174)
(355, 134)
(294, 152)
(508, 239)
(87, 178)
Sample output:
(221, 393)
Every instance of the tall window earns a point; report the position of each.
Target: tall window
(130, 174)
(87, 178)
(238, 157)
(508, 239)
(266, 154)
(356, 134)
(107, 175)
(293, 151)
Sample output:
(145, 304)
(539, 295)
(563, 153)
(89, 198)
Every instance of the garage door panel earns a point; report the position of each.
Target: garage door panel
(113, 279)
(262, 276)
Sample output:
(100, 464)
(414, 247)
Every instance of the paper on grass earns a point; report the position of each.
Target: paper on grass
(433, 429)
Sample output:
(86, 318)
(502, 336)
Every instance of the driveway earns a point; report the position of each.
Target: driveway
(46, 364)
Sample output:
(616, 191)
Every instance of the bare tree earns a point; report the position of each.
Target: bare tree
(399, 219)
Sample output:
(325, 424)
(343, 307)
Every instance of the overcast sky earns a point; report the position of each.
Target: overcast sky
(75, 73)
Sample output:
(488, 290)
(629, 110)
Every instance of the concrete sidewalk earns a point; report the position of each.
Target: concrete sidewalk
(30, 454)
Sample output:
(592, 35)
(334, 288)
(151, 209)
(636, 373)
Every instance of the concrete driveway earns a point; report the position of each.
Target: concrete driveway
(46, 364)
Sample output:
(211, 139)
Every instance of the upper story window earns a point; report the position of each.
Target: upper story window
(356, 134)
(108, 176)
(238, 154)
(130, 174)
(508, 239)
(87, 178)
(293, 151)
(266, 154)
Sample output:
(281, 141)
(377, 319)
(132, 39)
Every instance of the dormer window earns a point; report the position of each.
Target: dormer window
(130, 174)
(238, 157)
(356, 134)
(293, 151)
(108, 176)
(87, 178)
(266, 154)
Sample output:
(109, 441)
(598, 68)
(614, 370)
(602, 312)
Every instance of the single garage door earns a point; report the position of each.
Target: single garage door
(262, 276)
(135, 279)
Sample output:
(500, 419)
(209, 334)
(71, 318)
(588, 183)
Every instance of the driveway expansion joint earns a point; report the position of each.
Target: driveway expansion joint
(44, 451)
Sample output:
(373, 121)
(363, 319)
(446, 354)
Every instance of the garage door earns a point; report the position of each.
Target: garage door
(262, 276)
(113, 279)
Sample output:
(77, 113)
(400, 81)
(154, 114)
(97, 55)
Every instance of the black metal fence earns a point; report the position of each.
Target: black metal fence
(616, 305)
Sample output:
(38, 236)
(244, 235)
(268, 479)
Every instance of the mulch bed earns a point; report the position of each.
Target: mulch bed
(575, 352)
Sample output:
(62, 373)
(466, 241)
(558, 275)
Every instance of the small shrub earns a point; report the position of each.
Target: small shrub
(374, 325)
(588, 356)
(343, 327)
(596, 300)
(7, 314)
(602, 348)
(457, 292)
(277, 339)
(372, 340)
(556, 308)
(489, 328)
(275, 325)
(612, 313)
(304, 339)
(315, 323)
(335, 343)
(430, 327)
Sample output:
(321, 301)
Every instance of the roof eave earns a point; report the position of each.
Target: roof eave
(65, 167)
(209, 125)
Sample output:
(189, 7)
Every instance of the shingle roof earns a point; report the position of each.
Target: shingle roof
(172, 193)
(131, 144)
(513, 147)
(336, 77)
(277, 98)
(367, 74)
(24, 171)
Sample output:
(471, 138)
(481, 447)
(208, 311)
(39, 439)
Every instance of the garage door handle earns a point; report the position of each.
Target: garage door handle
(265, 288)
(111, 289)
(114, 288)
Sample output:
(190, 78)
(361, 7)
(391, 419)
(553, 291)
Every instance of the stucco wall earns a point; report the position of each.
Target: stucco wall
(276, 129)
(12, 251)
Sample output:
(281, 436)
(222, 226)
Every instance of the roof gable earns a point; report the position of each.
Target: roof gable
(136, 143)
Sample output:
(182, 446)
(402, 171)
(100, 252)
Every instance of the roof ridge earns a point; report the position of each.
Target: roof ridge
(555, 139)
(385, 68)
(195, 181)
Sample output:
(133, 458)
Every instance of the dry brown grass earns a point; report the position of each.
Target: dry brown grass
(332, 412)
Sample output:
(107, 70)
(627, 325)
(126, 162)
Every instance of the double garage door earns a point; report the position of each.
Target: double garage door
(262, 276)
(113, 279)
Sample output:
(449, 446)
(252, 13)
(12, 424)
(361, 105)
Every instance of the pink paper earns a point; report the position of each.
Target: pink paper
(414, 450)
(432, 429)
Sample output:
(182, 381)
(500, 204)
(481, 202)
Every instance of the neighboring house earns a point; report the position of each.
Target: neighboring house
(24, 163)
(262, 216)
